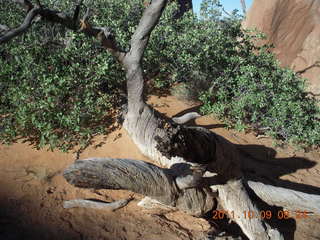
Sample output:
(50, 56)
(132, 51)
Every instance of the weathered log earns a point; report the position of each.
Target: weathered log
(139, 177)
(289, 199)
(158, 183)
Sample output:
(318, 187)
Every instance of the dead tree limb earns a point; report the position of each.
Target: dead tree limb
(186, 117)
(153, 181)
(139, 177)
(9, 34)
(288, 199)
(243, 6)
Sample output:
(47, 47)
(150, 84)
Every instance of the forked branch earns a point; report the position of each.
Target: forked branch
(103, 34)
(9, 34)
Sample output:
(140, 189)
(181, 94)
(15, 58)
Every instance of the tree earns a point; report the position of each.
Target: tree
(200, 165)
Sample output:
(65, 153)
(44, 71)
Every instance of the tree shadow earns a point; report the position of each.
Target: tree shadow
(16, 224)
(259, 163)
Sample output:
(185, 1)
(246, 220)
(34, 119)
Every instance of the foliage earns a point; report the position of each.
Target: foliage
(247, 86)
(216, 61)
(60, 88)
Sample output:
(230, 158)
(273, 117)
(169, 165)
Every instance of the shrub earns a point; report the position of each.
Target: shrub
(60, 88)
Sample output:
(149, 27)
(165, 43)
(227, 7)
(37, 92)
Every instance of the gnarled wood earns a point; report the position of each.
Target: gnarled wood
(9, 34)
(139, 177)
(286, 198)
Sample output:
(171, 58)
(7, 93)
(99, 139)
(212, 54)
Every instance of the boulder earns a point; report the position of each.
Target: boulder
(293, 27)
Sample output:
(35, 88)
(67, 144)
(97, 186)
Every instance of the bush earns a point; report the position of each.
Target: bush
(217, 63)
(60, 88)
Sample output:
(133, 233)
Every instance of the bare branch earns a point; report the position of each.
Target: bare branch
(186, 117)
(147, 23)
(104, 35)
(76, 203)
(22, 28)
(4, 28)
(227, 13)
(289, 199)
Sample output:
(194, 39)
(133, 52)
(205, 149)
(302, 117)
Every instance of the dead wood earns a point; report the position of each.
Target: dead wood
(139, 177)
(288, 199)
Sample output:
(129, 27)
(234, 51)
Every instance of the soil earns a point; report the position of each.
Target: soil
(32, 189)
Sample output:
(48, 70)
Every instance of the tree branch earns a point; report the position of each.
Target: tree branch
(289, 199)
(7, 36)
(103, 34)
(4, 28)
(139, 41)
(147, 23)
(243, 5)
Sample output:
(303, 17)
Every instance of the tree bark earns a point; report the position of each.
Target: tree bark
(139, 177)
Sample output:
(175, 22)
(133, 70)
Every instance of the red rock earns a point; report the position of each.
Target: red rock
(293, 27)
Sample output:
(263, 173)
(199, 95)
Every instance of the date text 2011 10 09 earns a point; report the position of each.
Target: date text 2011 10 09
(264, 214)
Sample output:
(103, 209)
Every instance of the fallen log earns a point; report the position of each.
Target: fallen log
(139, 177)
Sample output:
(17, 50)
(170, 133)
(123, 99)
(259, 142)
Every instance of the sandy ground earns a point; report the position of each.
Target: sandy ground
(32, 189)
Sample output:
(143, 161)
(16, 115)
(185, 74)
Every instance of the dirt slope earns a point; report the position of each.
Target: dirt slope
(32, 190)
(293, 26)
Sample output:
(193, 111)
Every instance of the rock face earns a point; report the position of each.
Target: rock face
(293, 27)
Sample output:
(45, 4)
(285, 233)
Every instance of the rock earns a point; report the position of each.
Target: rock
(293, 27)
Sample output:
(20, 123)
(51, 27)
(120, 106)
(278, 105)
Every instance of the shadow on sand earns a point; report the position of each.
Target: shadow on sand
(259, 164)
